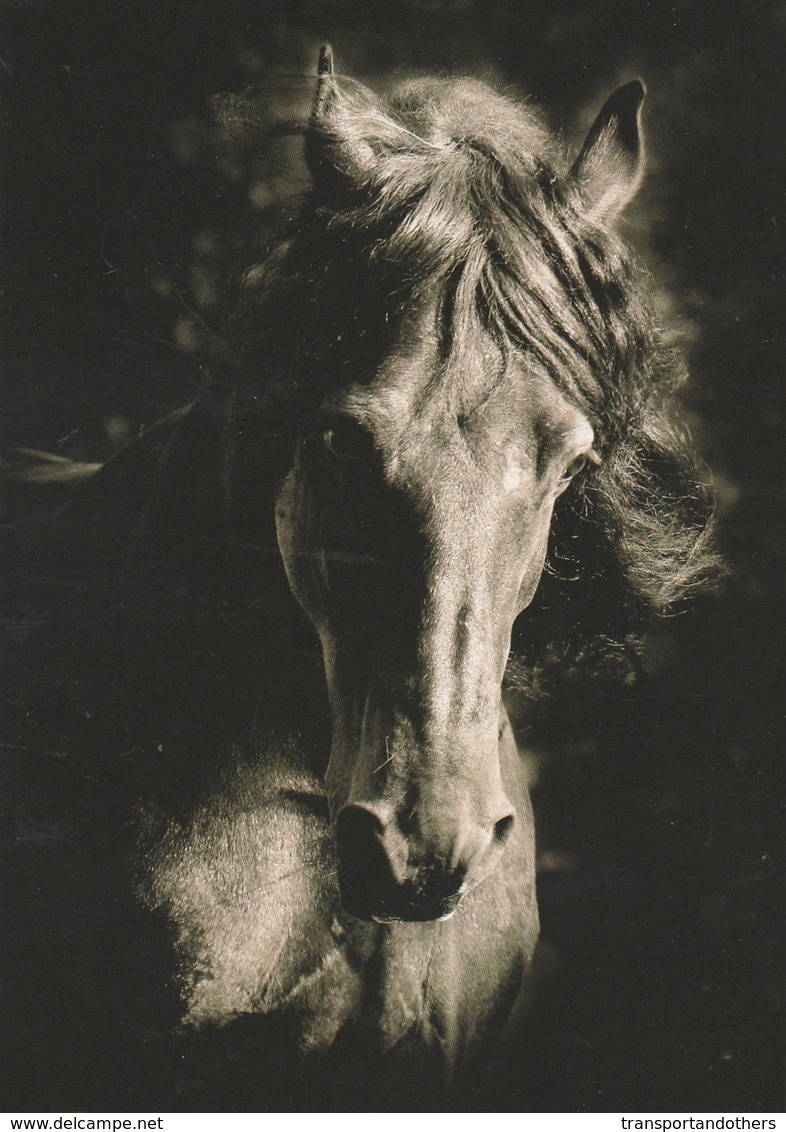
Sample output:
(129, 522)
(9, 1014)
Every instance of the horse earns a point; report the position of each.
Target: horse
(446, 426)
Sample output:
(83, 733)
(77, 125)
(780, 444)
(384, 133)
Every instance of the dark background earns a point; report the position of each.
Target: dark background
(660, 805)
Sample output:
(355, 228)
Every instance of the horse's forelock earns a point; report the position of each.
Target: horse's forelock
(449, 179)
(454, 174)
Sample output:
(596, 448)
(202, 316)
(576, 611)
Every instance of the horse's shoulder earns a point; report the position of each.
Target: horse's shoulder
(249, 885)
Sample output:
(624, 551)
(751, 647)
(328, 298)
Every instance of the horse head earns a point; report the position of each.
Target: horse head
(415, 518)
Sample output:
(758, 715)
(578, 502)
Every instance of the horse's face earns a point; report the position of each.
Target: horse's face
(415, 518)
(413, 526)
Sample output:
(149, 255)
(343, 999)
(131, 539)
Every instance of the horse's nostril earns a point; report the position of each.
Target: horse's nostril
(358, 830)
(502, 828)
(364, 869)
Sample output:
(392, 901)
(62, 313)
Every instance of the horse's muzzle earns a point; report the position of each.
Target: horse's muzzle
(377, 885)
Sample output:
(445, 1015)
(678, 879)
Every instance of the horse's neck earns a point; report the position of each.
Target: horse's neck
(252, 891)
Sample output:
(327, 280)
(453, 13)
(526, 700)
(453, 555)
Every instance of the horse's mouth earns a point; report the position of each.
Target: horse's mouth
(402, 906)
(415, 919)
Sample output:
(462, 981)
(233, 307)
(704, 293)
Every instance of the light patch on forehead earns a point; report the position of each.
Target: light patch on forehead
(514, 473)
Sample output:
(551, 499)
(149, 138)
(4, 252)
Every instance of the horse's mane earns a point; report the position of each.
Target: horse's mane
(451, 187)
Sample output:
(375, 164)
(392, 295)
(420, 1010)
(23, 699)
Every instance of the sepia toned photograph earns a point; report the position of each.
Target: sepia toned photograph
(394, 575)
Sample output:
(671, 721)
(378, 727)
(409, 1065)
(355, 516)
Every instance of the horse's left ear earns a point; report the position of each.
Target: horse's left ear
(609, 169)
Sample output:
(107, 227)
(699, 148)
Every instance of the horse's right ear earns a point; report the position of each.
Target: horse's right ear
(610, 166)
(334, 141)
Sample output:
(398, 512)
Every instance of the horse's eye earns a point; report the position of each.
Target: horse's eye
(579, 463)
(349, 440)
(575, 466)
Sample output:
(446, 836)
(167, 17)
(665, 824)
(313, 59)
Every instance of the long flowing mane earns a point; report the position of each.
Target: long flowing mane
(450, 188)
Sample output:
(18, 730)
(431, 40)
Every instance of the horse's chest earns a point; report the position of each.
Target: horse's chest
(450, 984)
(445, 987)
